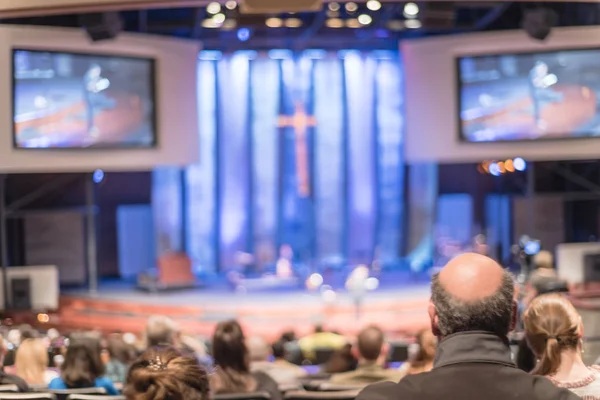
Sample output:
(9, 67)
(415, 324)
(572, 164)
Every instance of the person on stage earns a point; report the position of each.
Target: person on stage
(540, 86)
(356, 284)
(94, 84)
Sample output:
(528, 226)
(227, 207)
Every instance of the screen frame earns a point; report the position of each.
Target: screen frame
(123, 146)
(459, 86)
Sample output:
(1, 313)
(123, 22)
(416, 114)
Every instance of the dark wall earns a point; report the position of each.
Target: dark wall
(60, 191)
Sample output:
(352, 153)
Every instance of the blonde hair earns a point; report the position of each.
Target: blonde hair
(551, 325)
(543, 259)
(31, 361)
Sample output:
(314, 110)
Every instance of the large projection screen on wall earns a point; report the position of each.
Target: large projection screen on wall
(529, 96)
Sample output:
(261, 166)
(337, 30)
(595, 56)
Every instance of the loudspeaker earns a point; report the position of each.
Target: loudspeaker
(279, 6)
(591, 265)
(538, 23)
(21, 293)
(102, 26)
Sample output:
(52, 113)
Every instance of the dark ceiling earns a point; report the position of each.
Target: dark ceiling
(320, 29)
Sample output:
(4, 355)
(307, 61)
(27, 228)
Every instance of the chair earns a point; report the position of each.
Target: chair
(300, 395)
(243, 396)
(65, 393)
(27, 396)
(336, 387)
(9, 388)
(93, 397)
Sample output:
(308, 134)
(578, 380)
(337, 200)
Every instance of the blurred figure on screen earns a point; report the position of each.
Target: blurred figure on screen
(540, 84)
(94, 85)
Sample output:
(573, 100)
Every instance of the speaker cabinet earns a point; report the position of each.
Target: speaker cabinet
(21, 293)
(102, 26)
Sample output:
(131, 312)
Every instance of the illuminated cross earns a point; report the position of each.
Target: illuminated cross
(300, 121)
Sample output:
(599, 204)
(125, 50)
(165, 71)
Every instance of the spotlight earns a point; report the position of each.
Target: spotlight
(229, 24)
(509, 165)
(353, 23)
(316, 280)
(371, 283)
(334, 23)
(231, 5)
(413, 24)
(293, 23)
(98, 176)
(351, 7)
(213, 8)
(494, 169)
(520, 164)
(501, 167)
(334, 7)
(274, 22)
(243, 34)
(396, 25)
(365, 19)
(411, 10)
(218, 19)
(373, 5)
(209, 23)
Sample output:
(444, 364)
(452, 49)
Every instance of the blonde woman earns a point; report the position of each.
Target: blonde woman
(554, 332)
(31, 363)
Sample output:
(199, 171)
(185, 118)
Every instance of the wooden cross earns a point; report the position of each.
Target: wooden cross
(300, 121)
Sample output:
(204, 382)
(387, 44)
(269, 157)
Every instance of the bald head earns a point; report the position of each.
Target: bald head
(370, 343)
(470, 277)
(472, 293)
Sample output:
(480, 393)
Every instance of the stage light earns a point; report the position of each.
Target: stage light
(501, 167)
(413, 24)
(209, 23)
(371, 283)
(43, 318)
(351, 7)
(231, 5)
(315, 280)
(494, 169)
(396, 25)
(293, 23)
(520, 164)
(213, 8)
(243, 34)
(509, 165)
(274, 22)
(98, 176)
(334, 23)
(365, 19)
(329, 296)
(374, 5)
(229, 24)
(332, 14)
(218, 19)
(353, 23)
(411, 10)
(334, 6)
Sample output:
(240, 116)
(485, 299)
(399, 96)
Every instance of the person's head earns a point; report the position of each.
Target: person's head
(427, 344)
(342, 360)
(370, 343)
(161, 331)
(552, 325)
(541, 68)
(166, 374)
(31, 361)
(543, 260)
(83, 362)
(258, 349)
(319, 328)
(472, 293)
(278, 350)
(119, 350)
(229, 347)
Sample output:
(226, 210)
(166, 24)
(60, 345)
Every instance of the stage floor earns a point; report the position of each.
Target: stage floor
(399, 309)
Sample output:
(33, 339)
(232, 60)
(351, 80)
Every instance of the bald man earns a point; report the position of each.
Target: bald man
(472, 310)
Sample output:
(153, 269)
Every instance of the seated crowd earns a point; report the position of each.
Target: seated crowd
(473, 309)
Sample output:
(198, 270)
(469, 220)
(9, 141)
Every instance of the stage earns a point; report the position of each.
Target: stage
(399, 308)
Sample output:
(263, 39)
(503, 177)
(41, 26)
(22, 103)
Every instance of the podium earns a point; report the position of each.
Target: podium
(173, 271)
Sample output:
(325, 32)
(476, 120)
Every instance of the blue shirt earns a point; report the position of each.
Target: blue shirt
(103, 382)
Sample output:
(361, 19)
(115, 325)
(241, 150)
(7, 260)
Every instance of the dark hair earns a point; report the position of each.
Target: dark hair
(278, 349)
(490, 314)
(83, 363)
(166, 374)
(229, 347)
(119, 350)
(370, 342)
(342, 360)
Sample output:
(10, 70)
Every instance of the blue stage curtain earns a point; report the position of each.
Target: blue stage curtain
(247, 194)
(167, 209)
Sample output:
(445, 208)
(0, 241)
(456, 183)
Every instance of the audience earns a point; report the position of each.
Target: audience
(472, 310)
(166, 374)
(260, 353)
(162, 331)
(372, 352)
(121, 356)
(31, 363)
(83, 367)
(8, 379)
(232, 364)
(320, 339)
(423, 359)
(280, 356)
(342, 360)
(554, 332)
